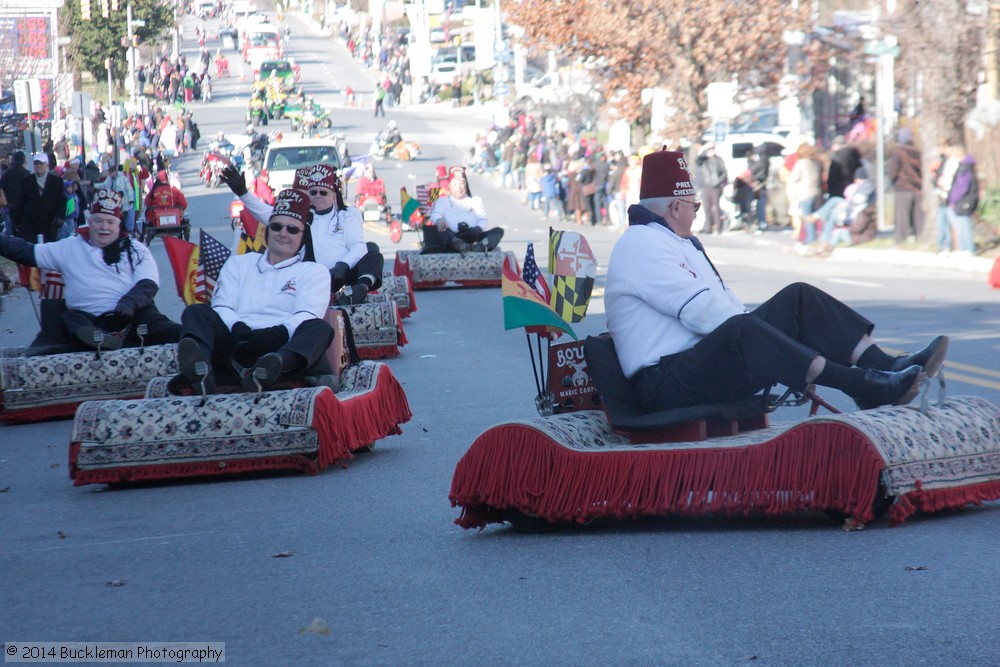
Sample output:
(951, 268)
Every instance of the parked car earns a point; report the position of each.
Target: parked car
(282, 158)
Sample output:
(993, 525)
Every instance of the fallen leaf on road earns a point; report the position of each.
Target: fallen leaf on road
(53, 465)
(116, 583)
(62, 535)
(911, 568)
(282, 554)
(317, 627)
(5, 489)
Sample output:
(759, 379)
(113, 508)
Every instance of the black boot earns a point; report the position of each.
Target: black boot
(190, 357)
(930, 358)
(889, 388)
(460, 246)
(269, 369)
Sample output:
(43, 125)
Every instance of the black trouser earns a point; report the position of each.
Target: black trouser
(371, 264)
(309, 342)
(59, 327)
(437, 241)
(776, 343)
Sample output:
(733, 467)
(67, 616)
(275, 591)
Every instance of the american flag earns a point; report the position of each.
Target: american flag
(52, 285)
(533, 276)
(212, 255)
(427, 195)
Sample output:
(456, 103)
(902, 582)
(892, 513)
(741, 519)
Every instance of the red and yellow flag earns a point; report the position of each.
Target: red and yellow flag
(183, 256)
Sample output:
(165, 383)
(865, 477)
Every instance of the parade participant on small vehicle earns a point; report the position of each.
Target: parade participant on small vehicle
(684, 339)
(265, 321)
(458, 220)
(370, 185)
(338, 231)
(110, 281)
(387, 140)
(221, 64)
(163, 195)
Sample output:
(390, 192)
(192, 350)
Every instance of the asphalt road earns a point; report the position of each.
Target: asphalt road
(379, 574)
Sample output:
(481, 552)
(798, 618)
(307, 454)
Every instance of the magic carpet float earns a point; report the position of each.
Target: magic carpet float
(291, 427)
(593, 454)
(428, 269)
(40, 387)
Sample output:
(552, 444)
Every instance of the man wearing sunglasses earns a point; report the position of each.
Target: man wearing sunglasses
(265, 322)
(683, 338)
(337, 230)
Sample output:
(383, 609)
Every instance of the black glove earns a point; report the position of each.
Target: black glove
(241, 332)
(235, 179)
(338, 275)
(125, 310)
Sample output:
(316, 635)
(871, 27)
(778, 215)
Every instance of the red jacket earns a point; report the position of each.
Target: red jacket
(164, 196)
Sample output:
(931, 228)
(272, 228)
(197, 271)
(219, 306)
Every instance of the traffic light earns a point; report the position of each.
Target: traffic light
(105, 8)
(85, 10)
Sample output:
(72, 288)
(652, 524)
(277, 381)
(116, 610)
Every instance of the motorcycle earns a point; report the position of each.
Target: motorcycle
(402, 150)
(212, 165)
(257, 112)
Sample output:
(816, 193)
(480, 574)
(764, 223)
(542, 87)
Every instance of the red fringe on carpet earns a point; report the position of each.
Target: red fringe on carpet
(329, 416)
(376, 353)
(811, 467)
(187, 469)
(40, 413)
(935, 500)
(374, 415)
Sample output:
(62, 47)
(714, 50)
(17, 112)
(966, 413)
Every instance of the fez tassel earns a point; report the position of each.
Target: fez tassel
(515, 466)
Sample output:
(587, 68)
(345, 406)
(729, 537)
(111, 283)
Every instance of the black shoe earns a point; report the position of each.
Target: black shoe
(492, 238)
(266, 371)
(460, 246)
(930, 358)
(354, 296)
(86, 336)
(195, 367)
(888, 388)
(477, 247)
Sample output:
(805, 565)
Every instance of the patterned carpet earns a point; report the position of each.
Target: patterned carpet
(573, 467)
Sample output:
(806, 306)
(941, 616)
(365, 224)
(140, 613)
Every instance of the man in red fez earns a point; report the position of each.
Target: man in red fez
(265, 322)
(683, 338)
(459, 220)
(338, 230)
(110, 281)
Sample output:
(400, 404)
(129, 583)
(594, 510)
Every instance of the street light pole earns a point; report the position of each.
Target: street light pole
(131, 53)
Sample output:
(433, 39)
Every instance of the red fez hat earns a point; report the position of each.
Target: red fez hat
(316, 175)
(457, 170)
(442, 171)
(665, 174)
(107, 201)
(293, 203)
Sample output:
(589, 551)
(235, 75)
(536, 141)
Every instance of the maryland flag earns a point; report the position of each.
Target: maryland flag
(524, 307)
(252, 236)
(573, 268)
(409, 205)
(183, 256)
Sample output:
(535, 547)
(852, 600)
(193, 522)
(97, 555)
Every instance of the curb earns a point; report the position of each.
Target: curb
(909, 258)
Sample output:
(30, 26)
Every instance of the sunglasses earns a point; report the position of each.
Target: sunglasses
(696, 204)
(291, 229)
(320, 193)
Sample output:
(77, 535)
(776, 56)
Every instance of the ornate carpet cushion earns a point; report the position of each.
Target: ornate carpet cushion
(399, 290)
(304, 429)
(573, 467)
(378, 331)
(35, 388)
(436, 270)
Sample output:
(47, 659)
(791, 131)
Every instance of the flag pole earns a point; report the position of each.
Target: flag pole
(534, 368)
(31, 298)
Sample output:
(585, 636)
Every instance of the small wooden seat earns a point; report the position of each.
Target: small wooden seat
(694, 423)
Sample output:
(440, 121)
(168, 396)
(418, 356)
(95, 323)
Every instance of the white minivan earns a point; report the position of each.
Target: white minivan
(282, 158)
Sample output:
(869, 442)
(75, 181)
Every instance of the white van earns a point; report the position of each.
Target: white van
(283, 158)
